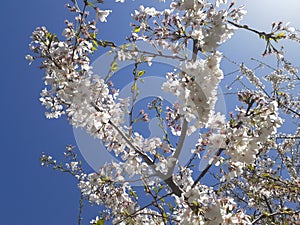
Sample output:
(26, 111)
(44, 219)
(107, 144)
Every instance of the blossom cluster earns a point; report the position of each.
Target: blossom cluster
(186, 20)
(236, 144)
(201, 205)
(196, 85)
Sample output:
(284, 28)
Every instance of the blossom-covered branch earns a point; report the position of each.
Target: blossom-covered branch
(250, 162)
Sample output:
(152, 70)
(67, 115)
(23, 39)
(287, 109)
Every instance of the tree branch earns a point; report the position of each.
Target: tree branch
(263, 215)
(144, 207)
(206, 169)
(167, 179)
(80, 209)
(196, 48)
(246, 27)
(179, 146)
(146, 158)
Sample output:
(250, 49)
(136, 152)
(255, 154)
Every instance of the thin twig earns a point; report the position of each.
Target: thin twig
(80, 209)
(261, 216)
(206, 169)
(167, 179)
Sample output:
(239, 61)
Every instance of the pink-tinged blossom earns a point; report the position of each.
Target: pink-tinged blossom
(102, 14)
(238, 146)
(197, 86)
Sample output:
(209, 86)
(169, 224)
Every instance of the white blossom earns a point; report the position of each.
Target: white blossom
(238, 146)
(102, 14)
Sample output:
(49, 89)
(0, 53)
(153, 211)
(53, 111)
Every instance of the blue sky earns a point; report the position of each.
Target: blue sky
(33, 195)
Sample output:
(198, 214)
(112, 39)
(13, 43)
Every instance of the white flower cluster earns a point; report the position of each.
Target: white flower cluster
(186, 20)
(90, 102)
(252, 132)
(196, 85)
(106, 187)
(200, 205)
(216, 138)
(75, 91)
(251, 77)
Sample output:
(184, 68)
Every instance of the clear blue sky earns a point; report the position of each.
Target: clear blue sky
(32, 195)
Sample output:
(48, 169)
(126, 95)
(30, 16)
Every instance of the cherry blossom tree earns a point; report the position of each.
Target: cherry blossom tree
(253, 164)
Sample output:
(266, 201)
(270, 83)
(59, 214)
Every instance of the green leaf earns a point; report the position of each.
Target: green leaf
(141, 73)
(93, 35)
(170, 206)
(95, 43)
(133, 193)
(114, 67)
(50, 36)
(100, 222)
(262, 36)
(105, 179)
(90, 4)
(265, 175)
(280, 35)
(137, 29)
(165, 217)
(251, 167)
(133, 87)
